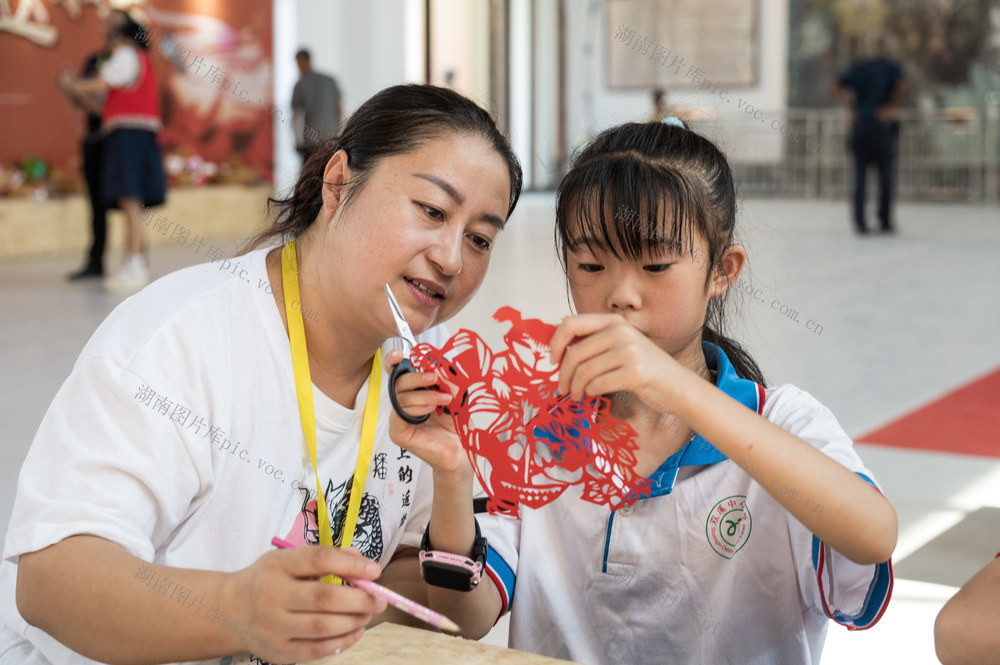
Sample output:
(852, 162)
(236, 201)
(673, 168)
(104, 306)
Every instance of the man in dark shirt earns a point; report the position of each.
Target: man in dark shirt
(877, 87)
(315, 107)
(91, 147)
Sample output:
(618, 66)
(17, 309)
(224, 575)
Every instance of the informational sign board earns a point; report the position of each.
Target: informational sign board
(681, 44)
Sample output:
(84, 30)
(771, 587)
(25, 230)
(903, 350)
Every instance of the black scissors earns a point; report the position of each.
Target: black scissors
(403, 366)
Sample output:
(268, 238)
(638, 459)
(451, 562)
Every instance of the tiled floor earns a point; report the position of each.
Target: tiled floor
(885, 325)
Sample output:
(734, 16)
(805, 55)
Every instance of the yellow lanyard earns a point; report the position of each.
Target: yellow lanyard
(303, 389)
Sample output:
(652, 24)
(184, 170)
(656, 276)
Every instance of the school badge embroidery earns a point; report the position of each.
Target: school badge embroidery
(728, 526)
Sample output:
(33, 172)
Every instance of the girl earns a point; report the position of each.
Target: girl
(761, 523)
(131, 166)
(178, 446)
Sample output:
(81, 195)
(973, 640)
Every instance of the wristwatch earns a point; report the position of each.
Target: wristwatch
(453, 571)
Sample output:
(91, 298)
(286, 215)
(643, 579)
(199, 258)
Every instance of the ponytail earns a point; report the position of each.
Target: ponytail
(741, 360)
(295, 213)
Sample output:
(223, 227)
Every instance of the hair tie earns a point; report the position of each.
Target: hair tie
(673, 121)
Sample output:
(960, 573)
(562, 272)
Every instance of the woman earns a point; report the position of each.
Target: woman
(189, 453)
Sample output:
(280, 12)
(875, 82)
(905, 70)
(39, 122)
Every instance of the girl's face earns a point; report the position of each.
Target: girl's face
(664, 293)
(425, 223)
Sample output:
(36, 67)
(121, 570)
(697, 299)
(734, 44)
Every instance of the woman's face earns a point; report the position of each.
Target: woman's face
(425, 223)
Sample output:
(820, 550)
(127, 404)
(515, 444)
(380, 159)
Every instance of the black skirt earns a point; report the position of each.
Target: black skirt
(132, 167)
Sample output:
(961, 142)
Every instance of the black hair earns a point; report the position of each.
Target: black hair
(132, 30)
(662, 183)
(395, 121)
(304, 54)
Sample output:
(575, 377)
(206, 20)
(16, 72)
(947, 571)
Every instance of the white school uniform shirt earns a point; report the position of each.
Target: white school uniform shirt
(708, 569)
(177, 435)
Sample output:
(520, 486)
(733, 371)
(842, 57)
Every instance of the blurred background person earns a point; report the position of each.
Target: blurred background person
(316, 107)
(871, 91)
(660, 110)
(91, 151)
(132, 173)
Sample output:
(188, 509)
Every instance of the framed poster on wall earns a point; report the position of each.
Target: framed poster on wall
(671, 44)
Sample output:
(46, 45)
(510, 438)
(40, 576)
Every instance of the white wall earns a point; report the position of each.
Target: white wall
(592, 106)
(545, 158)
(521, 29)
(286, 161)
(366, 46)
(534, 90)
(461, 37)
(373, 44)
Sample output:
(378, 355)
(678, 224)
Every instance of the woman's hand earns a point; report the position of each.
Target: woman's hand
(434, 441)
(600, 353)
(289, 615)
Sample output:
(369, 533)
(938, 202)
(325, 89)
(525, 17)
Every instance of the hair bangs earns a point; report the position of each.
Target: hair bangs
(627, 207)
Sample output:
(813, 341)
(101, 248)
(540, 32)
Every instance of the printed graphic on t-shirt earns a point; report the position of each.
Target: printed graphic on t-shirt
(368, 537)
(382, 467)
(728, 526)
(391, 477)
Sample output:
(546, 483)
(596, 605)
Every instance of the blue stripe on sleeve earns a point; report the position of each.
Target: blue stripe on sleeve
(502, 572)
(878, 591)
(878, 596)
(868, 480)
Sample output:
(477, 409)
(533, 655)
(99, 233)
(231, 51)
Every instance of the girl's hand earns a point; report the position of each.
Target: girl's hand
(434, 441)
(602, 352)
(289, 615)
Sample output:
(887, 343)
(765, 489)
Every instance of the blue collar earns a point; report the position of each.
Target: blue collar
(698, 451)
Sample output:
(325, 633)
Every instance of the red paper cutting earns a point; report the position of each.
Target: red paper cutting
(525, 443)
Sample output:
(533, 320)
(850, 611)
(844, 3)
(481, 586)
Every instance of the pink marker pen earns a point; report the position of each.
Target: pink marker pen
(402, 603)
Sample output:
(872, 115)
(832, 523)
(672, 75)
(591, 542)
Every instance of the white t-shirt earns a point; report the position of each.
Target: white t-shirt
(177, 435)
(122, 69)
(709, 569)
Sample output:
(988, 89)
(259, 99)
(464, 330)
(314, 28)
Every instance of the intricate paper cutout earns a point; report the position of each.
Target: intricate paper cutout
(525, 443)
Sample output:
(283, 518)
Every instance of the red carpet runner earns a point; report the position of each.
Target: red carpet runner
(965, 421)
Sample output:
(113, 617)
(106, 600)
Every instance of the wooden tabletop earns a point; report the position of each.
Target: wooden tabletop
(391, 644)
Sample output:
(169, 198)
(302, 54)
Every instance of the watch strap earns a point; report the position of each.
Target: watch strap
(473, 566)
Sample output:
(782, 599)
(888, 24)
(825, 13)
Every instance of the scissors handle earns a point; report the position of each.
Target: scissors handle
(403, 367)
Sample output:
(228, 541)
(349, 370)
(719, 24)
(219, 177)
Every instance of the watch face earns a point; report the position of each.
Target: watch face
(447, 576)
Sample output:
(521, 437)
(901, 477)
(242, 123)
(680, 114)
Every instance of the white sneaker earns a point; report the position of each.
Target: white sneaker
(133, 275)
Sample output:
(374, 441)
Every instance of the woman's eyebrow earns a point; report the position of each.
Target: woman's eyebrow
(458, 198)
(445, 185)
